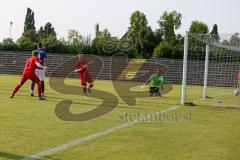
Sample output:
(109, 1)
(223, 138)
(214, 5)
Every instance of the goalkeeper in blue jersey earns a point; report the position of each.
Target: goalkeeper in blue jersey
(155, 82)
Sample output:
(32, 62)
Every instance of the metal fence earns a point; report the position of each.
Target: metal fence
(117, 68)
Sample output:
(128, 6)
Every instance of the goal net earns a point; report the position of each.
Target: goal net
(210, 69)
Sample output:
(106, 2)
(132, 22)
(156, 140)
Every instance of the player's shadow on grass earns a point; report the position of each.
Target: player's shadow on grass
(11, 156)
(86, 102)
(8, 155)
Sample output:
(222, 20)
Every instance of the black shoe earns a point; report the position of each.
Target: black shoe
(32, 94)
(11, 96)
(42, 98)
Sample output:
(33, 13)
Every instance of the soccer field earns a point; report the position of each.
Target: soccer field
(30, 129)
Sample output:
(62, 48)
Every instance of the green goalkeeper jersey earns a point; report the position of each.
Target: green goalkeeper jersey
(156, 80)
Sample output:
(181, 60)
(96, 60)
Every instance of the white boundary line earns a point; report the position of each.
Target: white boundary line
(71, 144)
(88, 138)
(216, 95)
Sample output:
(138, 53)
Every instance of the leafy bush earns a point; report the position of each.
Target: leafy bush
(25, 44)
(8, 44)
(132, 52)
(50, 42)
(163, 50)
(167, 50)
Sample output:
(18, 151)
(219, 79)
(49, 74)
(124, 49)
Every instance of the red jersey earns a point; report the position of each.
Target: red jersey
(31, 64)
(84, 75)
(239, 76)
(81, 64)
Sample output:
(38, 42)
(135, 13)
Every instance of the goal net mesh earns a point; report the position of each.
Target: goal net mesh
(223, 67)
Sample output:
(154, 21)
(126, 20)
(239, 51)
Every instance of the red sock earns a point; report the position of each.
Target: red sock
(85, 90)
(16, 89)
(39, 89)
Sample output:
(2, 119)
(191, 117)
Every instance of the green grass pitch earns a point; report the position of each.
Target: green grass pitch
(29, 126)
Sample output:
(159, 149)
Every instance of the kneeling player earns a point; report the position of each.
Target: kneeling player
(156, 81)
(81, 67)
(29, 73)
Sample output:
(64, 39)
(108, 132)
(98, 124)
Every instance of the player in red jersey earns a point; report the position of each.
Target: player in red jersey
(238, 80)
(29, 73)
(81, 67)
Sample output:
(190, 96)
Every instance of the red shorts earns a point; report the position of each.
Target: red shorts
(85, 78)
(29, 75)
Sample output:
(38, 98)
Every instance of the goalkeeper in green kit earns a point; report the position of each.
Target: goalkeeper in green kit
(155, 84)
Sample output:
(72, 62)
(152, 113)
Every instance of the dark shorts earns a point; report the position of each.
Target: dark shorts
(154, 90)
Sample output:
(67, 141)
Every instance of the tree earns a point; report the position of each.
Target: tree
(198, 27)
(158, 34)
(63, 46)
(41, 32)
(234, 40)
(137, 30)
(163, 50)
(215, 29)
(214, 33)
(86, 41)
(50, 42)
(24, 43)
(74, 37)
(8, 41)
(29, 35)
(97, 29)
(169, 22)
(99, 41)
(75, 40)
(169, 44)
(27, 40)
(132, 52)
(168, 50)
(46, 31)
(29, 23)
(49, 29)
(8, 44)
(149, 43)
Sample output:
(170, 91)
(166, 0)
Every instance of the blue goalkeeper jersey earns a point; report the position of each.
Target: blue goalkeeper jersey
(42, 55)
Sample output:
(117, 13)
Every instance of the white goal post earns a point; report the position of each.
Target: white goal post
(184, 76)
(210, 60)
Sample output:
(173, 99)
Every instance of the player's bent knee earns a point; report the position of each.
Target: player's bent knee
(90, 85)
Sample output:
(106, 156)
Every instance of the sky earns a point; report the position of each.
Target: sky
(114, 15)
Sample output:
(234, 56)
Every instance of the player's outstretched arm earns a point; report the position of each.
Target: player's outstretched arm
(77, 70)
(145, 83)
(41, 66)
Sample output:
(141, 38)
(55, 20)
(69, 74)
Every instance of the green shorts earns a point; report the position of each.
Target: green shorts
(154, 90)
